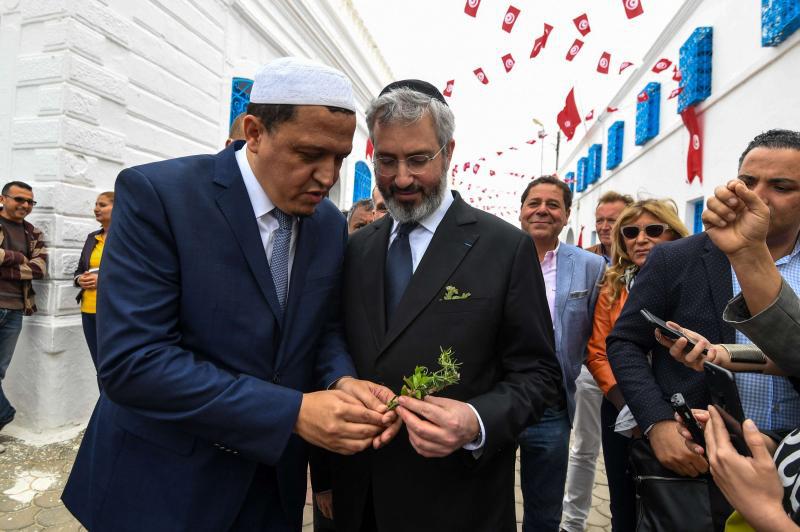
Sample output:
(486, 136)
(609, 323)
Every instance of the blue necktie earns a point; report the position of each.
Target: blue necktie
(398, 268)
(279, 263)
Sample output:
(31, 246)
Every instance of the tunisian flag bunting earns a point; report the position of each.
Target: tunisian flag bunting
(481, 76)
(676, 74)
(574, 49)
(491, 172)
(569, 118)
(510, 18)
(589, 116)
(370, 150)
(508, 62)
(532, 141)
(475, 168)
(580, 237)
(582, 23)
(662, 65)
(466, 165)
(643, 96)
(694, 159)
(633, 8)
(610, 109)
(675, 92)
(448, 90)
(541, 41)
(471, 7)
(624, 65)
(603, 63)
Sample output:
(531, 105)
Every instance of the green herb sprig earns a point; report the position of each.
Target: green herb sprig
(423, 382)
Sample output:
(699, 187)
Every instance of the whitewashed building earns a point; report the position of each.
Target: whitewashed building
(753, 88)
(89, 87)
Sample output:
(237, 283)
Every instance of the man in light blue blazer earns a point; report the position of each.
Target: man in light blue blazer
(572, 277)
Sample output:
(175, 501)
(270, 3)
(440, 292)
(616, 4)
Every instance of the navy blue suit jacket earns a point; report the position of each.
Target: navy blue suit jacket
(687, 281)
(202, 379)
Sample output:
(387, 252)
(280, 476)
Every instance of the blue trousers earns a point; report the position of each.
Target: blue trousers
(544, 456)
(10, 326)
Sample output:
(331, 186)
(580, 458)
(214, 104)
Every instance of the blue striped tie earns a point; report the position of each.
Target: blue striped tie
(398, 268)
(279, 263)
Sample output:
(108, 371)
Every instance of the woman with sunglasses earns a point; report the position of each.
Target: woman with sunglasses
(638, 229)
(86, 274)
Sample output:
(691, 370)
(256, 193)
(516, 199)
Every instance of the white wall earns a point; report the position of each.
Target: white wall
(89, 87)
(753, 89)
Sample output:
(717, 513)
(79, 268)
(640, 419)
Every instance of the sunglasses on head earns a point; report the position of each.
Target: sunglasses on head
(651, 230)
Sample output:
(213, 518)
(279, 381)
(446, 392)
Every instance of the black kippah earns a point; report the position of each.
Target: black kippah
(415, 85)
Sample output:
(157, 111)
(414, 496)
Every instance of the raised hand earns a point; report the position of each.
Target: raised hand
(736, 219)
(338, 422)
(438, 426)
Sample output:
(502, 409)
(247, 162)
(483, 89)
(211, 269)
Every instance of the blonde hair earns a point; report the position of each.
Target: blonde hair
(108, 194)
(664, 210)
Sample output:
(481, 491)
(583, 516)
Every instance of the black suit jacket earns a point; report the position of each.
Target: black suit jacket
(83, 261)
(687, 281)
(503, 336)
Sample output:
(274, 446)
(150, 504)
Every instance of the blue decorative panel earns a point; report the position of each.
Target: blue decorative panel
(362, 184)
(240, 97)
(695, 65)
(615, 138)
(583, 164)
(779, 19)
(595, 162)
(570, 180)
(647, 113)
(698, 216)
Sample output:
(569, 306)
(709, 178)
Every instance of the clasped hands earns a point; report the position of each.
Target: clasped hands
(353, 416)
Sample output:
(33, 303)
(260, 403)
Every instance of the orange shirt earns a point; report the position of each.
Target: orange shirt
(605, 316)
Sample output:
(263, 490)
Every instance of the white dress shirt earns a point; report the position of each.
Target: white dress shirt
(262, 207)
(419, 239)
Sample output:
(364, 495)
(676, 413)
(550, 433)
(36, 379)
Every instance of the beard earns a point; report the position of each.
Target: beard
(405, 213)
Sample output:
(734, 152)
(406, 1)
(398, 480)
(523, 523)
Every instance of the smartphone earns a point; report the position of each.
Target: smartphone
(667, 331)
(725, 396)
(682, 409)
(93, 270)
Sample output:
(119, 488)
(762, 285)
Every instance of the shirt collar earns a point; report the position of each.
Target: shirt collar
(258, 197)
(553, 253)
(432, 221)
(790, 256)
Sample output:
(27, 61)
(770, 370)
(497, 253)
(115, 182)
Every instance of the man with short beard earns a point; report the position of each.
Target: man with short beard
(439, 273)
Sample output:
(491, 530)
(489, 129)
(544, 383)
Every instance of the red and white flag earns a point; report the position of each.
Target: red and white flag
(604, 63)
(481, 76)
(642, 96)
(662, 65)
(499, 153)
(582, 23)
(466, 165)
(676, 74)
(574, 49)
(542, 133)
(532, 141)
(580, 237)
(694, 159)
(370, 150)
(633, 8)
(675, 92)
(589, 116)
(569, 117)
(508, 62)
(476, 168)
(448, 90)
(491, 172)
(541, 41)
(510, 18)
(624, 65)
(610, 109)
(471, 7)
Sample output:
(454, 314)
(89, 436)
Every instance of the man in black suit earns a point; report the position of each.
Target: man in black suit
(689, 281)
(439, 273)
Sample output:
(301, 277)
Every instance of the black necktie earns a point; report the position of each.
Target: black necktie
(398, 268)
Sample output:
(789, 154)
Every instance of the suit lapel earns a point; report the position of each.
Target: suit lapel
(235, 205)
(372, 267)
(720, 281)
(564, 266)
(450, 244)
(303, 253)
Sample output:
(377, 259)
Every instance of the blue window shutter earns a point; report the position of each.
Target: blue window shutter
(647, 113)
(615, 141)
(779, 19)
(698, 216)
(362, 182)
(695, 65)
(240, 97)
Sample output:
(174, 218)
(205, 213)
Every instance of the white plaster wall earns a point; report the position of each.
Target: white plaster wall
(89, 87)
(753, 89)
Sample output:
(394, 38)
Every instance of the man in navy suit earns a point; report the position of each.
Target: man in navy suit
(218, 320)
(571, 277)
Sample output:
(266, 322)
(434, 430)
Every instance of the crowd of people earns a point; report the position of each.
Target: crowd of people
(243, 324)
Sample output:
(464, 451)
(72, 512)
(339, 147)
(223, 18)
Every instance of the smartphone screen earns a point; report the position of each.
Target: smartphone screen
(667, 331)
(725, 396)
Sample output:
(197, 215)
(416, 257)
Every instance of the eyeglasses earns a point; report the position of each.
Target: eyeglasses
(651, 230)
(416, 164)
(20, 199)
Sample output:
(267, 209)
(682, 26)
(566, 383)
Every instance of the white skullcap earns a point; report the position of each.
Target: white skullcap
(298, 81)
